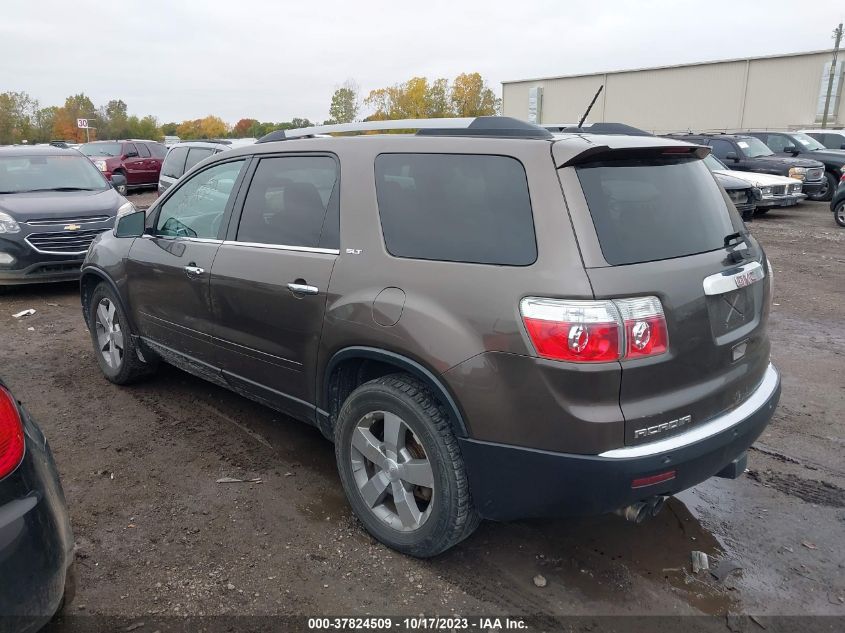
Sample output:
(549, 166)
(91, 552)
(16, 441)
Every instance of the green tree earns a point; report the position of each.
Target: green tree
(16, 112)
(42, 123)
(169, 129)
(344, 107)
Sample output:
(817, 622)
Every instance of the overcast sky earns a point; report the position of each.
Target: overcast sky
(274, 60)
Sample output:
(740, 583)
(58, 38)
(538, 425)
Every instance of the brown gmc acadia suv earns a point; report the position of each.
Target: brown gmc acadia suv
(489, 321)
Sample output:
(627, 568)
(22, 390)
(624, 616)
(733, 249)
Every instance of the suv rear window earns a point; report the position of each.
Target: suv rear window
(647, 210)
(456, 207)
(174, 164)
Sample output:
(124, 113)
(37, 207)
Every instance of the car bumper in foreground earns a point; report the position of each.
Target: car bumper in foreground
(36, 542)
(539, 483)
(781, 201)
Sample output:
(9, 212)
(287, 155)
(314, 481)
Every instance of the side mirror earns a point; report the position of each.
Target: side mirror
(842, 146)
(131, 224)
(118, 181)
(130, 155)
(790, 149)
(732, 156)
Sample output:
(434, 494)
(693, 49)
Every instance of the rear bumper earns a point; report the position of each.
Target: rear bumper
(36, 542)
(511, 482)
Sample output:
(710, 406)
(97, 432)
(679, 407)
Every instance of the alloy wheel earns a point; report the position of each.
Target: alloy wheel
(840, 214)
(109, 334)
(392, 471)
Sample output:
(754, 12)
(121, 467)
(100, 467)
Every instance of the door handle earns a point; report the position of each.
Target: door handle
(193, 271)
(303, 289)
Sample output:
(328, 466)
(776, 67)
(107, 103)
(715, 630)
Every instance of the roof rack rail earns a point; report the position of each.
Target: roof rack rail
(496, 126)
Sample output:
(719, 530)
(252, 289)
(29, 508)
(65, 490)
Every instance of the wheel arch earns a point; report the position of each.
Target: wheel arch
(92, 277)
(350, 367)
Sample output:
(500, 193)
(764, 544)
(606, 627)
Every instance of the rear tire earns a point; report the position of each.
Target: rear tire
(114, 346)
(401, 467)
(763, 211)
(839, 214)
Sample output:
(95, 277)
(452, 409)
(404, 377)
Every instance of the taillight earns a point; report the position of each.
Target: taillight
(595, 331)
(645, 326)
(11, 434)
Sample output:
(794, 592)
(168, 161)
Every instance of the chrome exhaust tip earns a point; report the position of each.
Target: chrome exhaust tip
(636, 512)
(656, 504)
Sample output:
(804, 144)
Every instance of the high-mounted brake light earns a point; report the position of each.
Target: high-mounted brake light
(595, 331)
(11, 434)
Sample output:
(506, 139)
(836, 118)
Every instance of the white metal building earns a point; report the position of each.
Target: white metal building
(778, 91)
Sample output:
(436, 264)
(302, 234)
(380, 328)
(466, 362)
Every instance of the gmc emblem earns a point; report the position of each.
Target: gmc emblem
(662, 428)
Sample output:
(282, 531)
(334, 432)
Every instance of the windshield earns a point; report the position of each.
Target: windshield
(100, 149)
(808, 142)
(19, 174)
(713, 163)
(753, 147)
(647, 210)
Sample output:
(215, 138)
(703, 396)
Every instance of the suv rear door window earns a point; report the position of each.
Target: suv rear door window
(288, 200)
(158, 150)
(143, 151)
(129, 148)
(456, 207)
(647, 210)
(197, 154)
(721, 148)
(174, 164)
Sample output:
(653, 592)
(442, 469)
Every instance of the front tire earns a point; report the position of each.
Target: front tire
(839, 214)
(124, 188)
(826, 192)
(114, 345)
(401, 467)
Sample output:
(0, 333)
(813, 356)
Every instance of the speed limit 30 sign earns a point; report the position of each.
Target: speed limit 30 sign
(82, 124)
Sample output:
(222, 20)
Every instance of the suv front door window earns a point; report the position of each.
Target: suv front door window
(174, 261)
(269, 280)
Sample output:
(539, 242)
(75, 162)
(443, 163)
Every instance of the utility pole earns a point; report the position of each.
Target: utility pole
(837, 36)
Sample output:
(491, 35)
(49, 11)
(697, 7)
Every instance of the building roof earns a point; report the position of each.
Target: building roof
(637, 70)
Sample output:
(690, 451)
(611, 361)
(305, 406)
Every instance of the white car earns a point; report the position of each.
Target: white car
(776, 191)
(831, 139)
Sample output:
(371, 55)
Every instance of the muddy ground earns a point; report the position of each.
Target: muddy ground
(157, 535)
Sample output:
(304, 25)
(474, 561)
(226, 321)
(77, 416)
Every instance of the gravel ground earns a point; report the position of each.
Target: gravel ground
(156, 535)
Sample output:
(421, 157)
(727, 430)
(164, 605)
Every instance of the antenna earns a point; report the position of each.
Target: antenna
(590, 107)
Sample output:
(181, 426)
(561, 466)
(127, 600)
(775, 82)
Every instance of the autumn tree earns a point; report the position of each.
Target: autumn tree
(244, 128)
(208, 127)
(64, 123)
(472, 97)
(417, 98)
(344, 107)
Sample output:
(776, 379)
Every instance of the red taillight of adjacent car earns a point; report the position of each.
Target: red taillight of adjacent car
(595, 331)
(11, 434)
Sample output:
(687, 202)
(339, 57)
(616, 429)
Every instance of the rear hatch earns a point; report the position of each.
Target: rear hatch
(653, 222)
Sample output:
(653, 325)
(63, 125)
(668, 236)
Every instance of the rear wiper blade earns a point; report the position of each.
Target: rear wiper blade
(59, 189)
(733, 236)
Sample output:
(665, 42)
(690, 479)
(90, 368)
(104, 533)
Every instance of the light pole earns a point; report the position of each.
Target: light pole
(837, 36)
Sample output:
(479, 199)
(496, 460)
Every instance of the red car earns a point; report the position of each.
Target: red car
(138, 161)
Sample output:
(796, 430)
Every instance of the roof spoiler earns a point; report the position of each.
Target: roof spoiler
(600, 153)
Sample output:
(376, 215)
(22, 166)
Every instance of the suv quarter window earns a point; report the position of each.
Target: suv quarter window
(472, 208)
(292, 201)
(174, 164)
(197, 207)
(196, 155)
(143, 150)
(158, 150)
